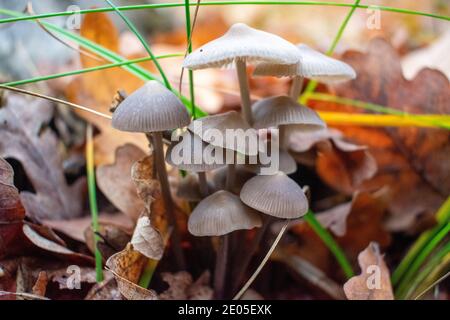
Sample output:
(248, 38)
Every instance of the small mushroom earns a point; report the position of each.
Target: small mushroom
(242, 175)
(228, 131)
(193, 154)
(152, 109)
(313, 65)
(189, 188)
(240, 45)
(218, 215)
(286, 164)
(276, 195)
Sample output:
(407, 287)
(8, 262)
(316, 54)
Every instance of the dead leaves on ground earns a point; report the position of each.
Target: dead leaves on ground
(413, 162)
(374, 281)
(25, 136)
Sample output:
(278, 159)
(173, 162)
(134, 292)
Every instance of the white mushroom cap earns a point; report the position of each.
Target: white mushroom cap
(189, 153)
(222, 213)
(151, 108)
(276, 195)
(286, 164)
(238, 137)
(313, 65)
(246, 43)
(283, 110)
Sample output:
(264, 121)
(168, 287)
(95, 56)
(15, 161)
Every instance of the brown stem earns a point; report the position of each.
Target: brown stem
(231, 174)
(221, 268)
(165, 190)
(244, 261)
(244, 90)
(203, 184)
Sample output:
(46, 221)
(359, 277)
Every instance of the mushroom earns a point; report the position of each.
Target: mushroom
(276, 195)
(197, 156)
(286, 164)
(313, 65)
(152, 109)
(229, 131)
(189, 188)
(239, 45)
(218, 215)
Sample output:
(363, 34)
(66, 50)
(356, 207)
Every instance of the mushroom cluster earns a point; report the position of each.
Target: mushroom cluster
(226, 148)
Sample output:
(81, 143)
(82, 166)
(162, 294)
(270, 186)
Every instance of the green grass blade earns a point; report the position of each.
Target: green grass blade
(329, 241)
(443, 218)
(93, 201)
(225, 3)
(86, 70)
(143, 42)
(187, 13)
(312, 85)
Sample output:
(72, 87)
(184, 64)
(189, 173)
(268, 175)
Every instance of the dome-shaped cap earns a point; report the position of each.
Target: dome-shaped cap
(245, 43)
(222, 213)
(151, 108)
(283, 110)
(242, 176)
(193, 154)
(276, 195)
(286, 164)
(237, 138)
(313, 65)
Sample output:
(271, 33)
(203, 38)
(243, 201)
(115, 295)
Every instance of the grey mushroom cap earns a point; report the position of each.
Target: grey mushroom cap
(193, 154)
(151, 108)
(286, 164)
(313, 65)
(222, 213)
(234, 132)
(283, 110)
(276, 195)
(242, 42)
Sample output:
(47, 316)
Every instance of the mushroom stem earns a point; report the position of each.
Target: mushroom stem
(203, 184)
(246, 255)
(221, 267)
(165, 190)
(296, 87)
(244, 90)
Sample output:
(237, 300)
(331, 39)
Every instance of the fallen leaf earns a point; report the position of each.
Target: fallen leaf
(40, 286)
(147, 240)
(413, 162)
(97, 89)
(127, 266)
(114, 180)
(182, 286)
(113, 238)
(11, 211)
(105, 290)
(374, 281)
(24, 136)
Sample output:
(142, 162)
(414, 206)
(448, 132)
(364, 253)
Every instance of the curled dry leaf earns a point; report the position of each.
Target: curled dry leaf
(182, 287)
(40, 286)
(11, 211)
(374, 281)
(105, 290)
(413, 162)
(147, 240)
(115, 182)
(23, 136)
(341, 164)
(97, 89)
(127, 266)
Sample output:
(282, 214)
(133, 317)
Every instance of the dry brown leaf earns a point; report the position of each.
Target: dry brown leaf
(374, 281)
(106, 290)
(126, 266)
(342, 165)
(40, 286)
(23, 136)
(147, 240)
(182, 287)
(413, 162)
(335, 218)
(113, 238)
(97, 89)
(114, 180)
(11, 211)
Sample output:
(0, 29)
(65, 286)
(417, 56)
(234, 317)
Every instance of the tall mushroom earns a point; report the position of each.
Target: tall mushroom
(313, 65)
(240, 45)
(218, 215)
(195, 155)
(152, 109)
